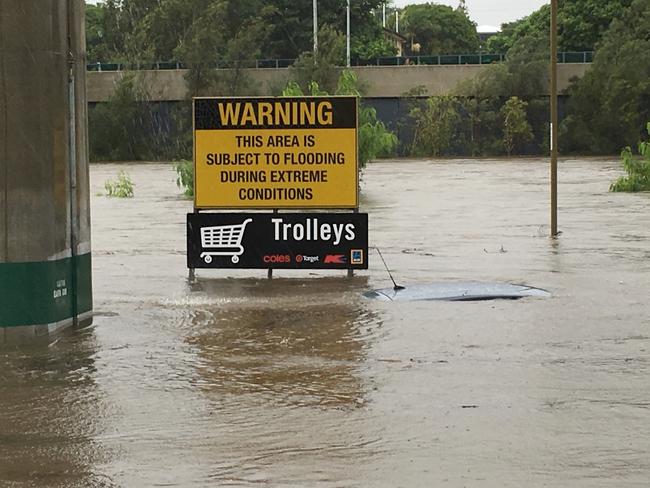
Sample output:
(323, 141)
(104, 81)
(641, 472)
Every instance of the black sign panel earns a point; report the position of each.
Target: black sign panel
(277, 240)
(275, 113)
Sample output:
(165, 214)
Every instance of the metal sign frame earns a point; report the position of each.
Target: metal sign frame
(353, 208)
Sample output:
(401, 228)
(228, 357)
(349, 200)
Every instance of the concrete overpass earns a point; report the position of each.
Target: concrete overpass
(381, 81)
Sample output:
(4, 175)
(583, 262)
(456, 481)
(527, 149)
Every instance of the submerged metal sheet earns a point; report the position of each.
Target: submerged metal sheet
(453, 291)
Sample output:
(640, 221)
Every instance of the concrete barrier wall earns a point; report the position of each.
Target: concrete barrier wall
(45, 274)
(380, 81)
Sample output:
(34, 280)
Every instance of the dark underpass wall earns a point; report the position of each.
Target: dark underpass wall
(163, 130)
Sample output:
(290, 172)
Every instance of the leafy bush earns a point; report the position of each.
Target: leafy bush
(119, 129)
(481, 127)
(121, 188)
(637, 168)
(185, 171)
(516, 129)
(321, 67)
(375, 140)
(435, 125)
(609, 106)
(132, 127)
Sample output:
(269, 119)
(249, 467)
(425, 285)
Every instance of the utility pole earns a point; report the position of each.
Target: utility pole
(315, 26)
(397, 21)
(383, 15)
(554, 118)
(347, 40)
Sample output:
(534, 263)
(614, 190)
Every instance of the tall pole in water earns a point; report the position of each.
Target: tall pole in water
(315, 3)
(554, 118)
(347, 39)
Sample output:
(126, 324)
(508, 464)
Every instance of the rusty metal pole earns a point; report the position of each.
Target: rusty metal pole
(554, 118)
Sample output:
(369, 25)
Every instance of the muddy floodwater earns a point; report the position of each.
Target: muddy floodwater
(300, 381)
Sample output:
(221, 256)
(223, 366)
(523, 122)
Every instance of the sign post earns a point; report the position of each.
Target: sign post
(554, 118)
(276, 153)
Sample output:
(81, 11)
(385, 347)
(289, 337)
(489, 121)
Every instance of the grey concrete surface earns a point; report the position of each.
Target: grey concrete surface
(34, 136)
(380, 81)
(44, 179)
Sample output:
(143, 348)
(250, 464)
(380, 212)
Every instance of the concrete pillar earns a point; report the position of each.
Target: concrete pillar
(45, 267)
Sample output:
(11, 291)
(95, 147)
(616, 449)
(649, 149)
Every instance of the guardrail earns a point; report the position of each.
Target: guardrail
(433, 60)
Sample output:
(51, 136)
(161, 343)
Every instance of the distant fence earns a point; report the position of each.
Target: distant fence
(433, 60)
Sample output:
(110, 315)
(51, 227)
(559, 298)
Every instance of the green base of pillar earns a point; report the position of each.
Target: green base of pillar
(45, 296)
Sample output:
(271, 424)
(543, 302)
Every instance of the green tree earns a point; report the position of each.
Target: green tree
(536, 24)
(199, 47)
(581, 24)
(129, 18)
(371, 44)
(120, 129)
(637, 168)
(321, 67)
(291, 25)
(436, 124)
(481, 126)
(609, 105)
(104, 40)
(141, 31)
(516, 129)
(96, 48)
(157, 27)
(439, 29)
(375, 140)
(240, 49)
(524, 73)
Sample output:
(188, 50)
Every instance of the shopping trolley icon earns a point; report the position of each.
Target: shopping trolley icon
(225, 240)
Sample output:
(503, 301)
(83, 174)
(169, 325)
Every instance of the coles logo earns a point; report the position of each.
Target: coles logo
(335, 259)
(277, 259)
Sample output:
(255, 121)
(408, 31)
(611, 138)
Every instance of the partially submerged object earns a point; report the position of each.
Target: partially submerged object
(454, 291)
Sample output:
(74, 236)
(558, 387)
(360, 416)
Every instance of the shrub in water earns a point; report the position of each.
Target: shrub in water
(516, 129)
(637, 168)
(185, 171)
(121, 188)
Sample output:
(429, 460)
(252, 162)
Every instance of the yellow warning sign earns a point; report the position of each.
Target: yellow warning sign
(275, 152)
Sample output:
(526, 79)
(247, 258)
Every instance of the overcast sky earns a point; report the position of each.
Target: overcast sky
(489, 12)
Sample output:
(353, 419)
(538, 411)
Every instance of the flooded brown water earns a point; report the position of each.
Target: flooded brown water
(299, 381)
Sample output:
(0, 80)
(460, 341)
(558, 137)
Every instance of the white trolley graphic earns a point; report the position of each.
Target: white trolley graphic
(224, 239)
